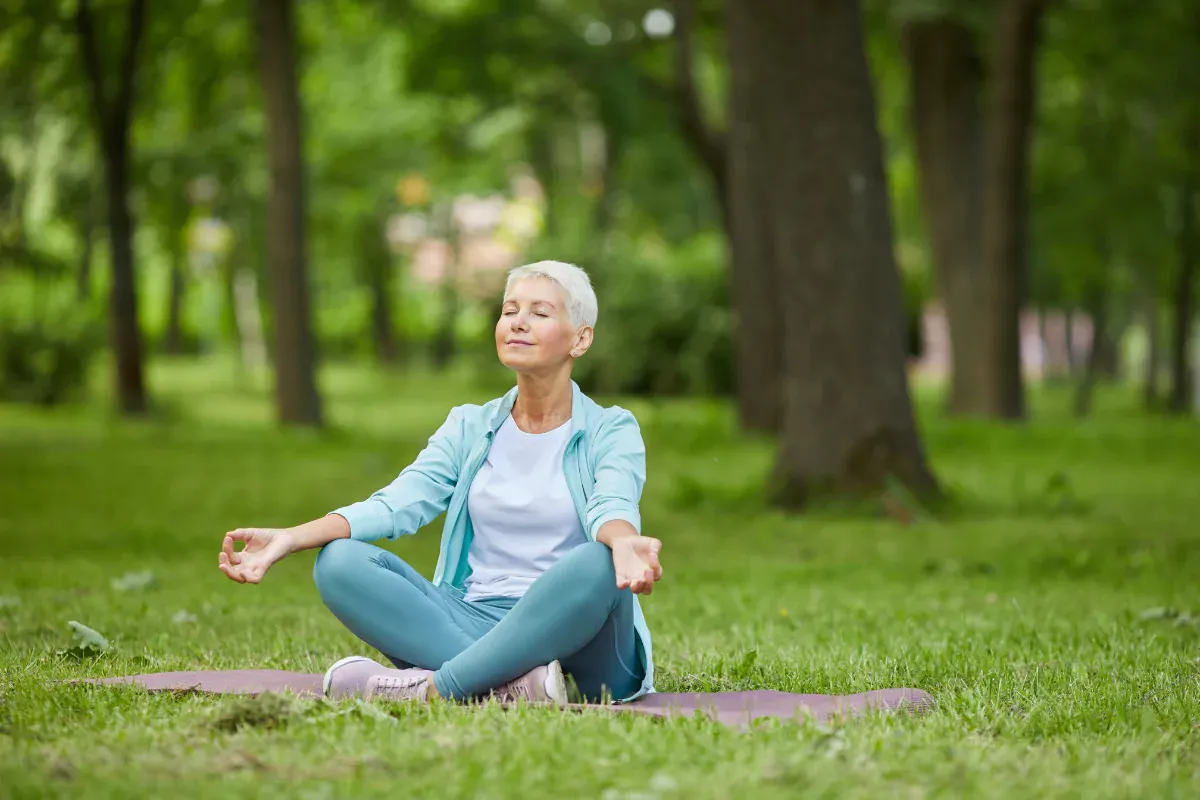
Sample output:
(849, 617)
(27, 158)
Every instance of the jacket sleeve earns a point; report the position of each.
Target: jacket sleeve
(620, 474)
(419, 493)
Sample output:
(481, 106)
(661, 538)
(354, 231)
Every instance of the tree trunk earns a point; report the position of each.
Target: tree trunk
(1003, 234)
(1153, 349)
(112, 119)
(297, 400)
(83, 280)
(848, 424)
(445, 339)
(173, 336)
(1069, 341)
(1179, 401)
(1097, 309)
(376, 264)
(946, 80)
(748, 170)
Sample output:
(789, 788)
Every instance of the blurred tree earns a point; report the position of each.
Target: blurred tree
(1180, 398)
(112, 111)
(848, 423)
(296, 397)
(759, 327)
(972, 126)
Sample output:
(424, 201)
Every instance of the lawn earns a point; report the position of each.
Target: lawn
(1047, 612)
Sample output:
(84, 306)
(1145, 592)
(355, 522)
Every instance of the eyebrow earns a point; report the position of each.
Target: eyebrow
(535, 302)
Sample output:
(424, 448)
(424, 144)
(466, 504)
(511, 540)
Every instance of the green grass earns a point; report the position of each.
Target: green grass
(1021, 611)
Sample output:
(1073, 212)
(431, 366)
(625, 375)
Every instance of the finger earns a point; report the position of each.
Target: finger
(652, 558)
(230, 572)
(227, 549)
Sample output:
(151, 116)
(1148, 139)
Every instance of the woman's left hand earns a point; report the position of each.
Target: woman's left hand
(635, 559)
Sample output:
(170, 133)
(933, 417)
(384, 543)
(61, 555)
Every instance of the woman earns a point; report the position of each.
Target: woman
(541, 553)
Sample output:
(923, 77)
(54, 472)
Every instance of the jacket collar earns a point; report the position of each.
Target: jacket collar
(504, 406)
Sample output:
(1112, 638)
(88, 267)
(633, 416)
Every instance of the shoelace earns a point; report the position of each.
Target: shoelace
(512, 692)
(399, 684)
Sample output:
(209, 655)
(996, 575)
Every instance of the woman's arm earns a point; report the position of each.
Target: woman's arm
(418, 494)
(262, 547)
(612, 511)
(317, 533)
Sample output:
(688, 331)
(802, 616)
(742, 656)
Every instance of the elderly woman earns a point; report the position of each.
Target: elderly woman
(541, 553)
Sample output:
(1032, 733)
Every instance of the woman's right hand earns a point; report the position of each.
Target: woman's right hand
(264, 546)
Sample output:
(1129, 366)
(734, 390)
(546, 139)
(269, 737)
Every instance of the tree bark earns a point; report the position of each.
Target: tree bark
(848, 425)
(376, 264)
(83, 279)
(1097, 308)
(1179, 400)
(1010, 114)
(297, 400)
(173, 335)
(946, 81)
(746, 172)
(112, 120)
(446, 338)
(1153, 349)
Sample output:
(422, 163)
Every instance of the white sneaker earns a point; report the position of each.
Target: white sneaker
(539, 685)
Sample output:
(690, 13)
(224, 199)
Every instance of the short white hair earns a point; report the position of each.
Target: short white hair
(574, 282)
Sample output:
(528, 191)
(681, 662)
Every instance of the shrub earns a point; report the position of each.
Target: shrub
(47, 342)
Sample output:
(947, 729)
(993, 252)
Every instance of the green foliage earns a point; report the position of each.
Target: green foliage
(664, 325)
(47, 342)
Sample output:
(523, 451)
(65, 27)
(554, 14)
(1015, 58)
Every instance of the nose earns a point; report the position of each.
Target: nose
(518, 322)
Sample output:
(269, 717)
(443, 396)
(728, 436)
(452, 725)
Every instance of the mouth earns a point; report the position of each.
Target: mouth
(518, 343)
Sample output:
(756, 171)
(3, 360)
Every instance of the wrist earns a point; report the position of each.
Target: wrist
(615, 531)
(285, 541)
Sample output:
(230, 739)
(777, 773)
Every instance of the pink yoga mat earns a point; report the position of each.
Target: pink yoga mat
(737, 709)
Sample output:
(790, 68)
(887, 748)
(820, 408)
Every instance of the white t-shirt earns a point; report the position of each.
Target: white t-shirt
(521, 511)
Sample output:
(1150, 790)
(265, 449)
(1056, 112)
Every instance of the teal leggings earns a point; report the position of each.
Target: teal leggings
(573, 613)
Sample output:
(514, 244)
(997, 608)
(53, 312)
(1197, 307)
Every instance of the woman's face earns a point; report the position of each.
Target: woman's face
(535, 329)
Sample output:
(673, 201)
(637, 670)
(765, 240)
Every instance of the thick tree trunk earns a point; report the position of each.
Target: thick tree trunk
(112, 118)
(1179, 400)
(297, 400)
(946, 81)
(848, 422)
(1010, 113)
(748, 170)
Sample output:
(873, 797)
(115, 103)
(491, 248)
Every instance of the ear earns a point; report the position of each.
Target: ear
(583, 340)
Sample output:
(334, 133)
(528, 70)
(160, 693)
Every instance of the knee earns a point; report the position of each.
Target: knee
(593, 568)
(339, 563)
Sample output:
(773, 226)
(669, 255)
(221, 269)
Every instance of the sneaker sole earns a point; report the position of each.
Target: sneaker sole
(555, 685)
(328, 680)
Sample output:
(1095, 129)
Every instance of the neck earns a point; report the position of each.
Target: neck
(543, 401)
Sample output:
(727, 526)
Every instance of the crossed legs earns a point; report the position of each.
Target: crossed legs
(573, 613)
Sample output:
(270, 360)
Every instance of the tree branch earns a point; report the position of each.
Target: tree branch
(708, 143)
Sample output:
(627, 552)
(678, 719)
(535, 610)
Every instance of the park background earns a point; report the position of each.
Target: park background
(901, 293)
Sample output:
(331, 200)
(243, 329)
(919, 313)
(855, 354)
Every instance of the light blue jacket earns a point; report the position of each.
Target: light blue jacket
(604, 463)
